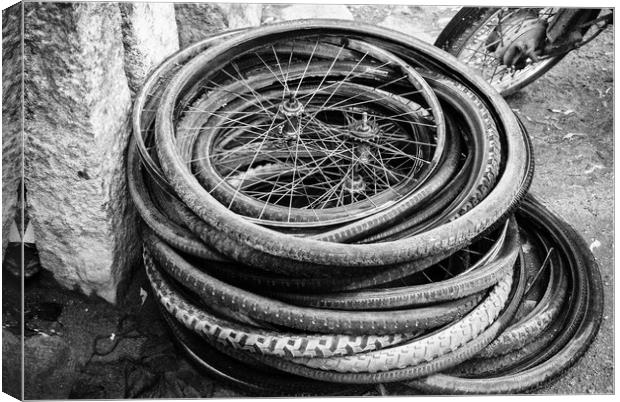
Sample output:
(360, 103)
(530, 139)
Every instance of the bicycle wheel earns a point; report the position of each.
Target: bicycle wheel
(474, 34)
(275, 251)
(298, 141)
(578, 328)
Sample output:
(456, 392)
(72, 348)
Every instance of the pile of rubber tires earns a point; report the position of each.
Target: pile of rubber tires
(329, 205)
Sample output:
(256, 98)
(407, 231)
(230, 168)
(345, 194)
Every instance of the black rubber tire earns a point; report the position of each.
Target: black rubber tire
(579, 331)
(459, 286)
(253, 339)
(547, 311)
(485, 152)
(248, 375)
(423, 369)
(265, 248)
(144, 105)
(312, 349)
(212, 290)
(179, 237)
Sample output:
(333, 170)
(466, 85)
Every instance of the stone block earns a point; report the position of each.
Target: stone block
(11, 116)
(239, 15)
(149, 36)
(77, 108)
(195, 21)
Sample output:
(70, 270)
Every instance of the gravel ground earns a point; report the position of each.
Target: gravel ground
(575, 177)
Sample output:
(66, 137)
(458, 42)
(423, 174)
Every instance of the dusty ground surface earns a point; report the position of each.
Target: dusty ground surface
(569, 115)
(125, 351)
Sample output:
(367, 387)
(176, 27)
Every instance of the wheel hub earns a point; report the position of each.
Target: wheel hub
(363, 153)
(355, 184)
(363, 129)
(291, 107)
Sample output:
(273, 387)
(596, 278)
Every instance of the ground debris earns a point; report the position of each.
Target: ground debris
(564, 112)
(570, 136)
(592, 168)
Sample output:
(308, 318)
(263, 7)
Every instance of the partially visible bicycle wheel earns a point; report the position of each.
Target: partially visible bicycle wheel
(474, 34)
(566, 340)
(305, 131)
(248, 167)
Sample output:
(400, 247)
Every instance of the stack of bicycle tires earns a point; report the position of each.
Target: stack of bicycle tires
(328, 205)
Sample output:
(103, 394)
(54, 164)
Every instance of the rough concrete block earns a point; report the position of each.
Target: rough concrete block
(242, 15)
(196, 21)
(149, 36)
(77, 106)
(306, 11)
(11, 116)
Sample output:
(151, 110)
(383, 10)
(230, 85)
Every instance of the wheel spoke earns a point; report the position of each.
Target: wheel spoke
(295, 132)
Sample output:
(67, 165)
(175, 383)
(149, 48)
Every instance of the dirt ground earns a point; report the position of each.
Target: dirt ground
(125, 351)
(569, 115)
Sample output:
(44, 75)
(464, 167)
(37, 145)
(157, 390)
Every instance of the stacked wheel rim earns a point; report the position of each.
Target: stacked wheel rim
(330, 201)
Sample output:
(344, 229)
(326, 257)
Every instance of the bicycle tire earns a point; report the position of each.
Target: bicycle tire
(456, 287)
(257, 340)
(268, 248)
(261, 308)
(576, 336)
(246, 375)
(424, 369)
(537, 321)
